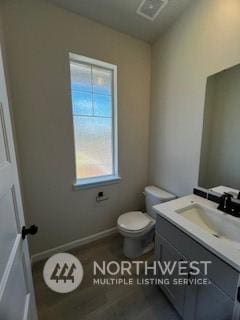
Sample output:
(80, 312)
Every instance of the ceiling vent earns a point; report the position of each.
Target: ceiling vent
(150, 9)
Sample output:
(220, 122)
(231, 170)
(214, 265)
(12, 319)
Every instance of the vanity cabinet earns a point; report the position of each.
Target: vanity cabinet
(174, 293)
(210, 302)
(214, 301)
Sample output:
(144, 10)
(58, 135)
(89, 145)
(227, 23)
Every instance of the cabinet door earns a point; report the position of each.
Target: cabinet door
(212, 303)
(175, 293)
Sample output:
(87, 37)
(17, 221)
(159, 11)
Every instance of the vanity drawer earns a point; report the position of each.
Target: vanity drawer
(219, 272)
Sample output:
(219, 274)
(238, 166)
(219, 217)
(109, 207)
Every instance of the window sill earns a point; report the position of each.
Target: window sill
(95, 182)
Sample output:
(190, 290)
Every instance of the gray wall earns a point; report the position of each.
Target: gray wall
(38, 39)
(205, 40)
(220, 154)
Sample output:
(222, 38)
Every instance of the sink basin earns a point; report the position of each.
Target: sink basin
(214, 222)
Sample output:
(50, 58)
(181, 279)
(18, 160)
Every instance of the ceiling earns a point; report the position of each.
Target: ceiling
(121, 15)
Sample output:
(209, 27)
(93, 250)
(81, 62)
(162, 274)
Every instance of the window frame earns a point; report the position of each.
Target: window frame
(104, 179)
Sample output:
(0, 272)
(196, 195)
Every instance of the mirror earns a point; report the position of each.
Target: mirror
(220, 151)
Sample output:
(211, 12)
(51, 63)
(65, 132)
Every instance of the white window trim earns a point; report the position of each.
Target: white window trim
(108, 179)
(96, 181)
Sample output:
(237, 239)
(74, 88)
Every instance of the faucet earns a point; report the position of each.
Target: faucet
(229, 205)
(225, 202)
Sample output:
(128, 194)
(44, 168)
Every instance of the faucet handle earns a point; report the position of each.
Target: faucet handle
(228, 196)
(225, 196)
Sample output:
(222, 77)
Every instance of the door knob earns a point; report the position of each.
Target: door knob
(31, 230)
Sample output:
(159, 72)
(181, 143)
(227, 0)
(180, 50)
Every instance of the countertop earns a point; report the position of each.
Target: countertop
(219, 247)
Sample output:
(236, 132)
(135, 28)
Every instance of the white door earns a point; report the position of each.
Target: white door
(17, 301)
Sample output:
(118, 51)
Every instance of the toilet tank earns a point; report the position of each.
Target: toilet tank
(154, 196)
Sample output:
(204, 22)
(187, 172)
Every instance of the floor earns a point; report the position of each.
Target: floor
(101, 302)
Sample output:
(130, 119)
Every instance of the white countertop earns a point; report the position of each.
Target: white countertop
(219, 247)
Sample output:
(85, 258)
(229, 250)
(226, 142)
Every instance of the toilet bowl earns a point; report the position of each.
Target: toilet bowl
(138, 228)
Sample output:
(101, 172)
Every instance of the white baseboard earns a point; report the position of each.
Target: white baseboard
(73, 244)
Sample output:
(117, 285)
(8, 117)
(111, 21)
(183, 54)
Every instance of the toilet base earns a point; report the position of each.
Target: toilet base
(134, 247)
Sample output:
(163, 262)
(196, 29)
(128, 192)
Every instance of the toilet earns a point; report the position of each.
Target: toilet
(137, 227)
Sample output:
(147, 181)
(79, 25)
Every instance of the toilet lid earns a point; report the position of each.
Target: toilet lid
(134, 220)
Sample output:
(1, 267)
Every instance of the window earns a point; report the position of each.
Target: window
(94, 110)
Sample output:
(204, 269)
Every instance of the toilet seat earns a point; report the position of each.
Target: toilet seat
(134, 221)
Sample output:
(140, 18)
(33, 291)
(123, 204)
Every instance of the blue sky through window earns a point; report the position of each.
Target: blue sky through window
(91, 89)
